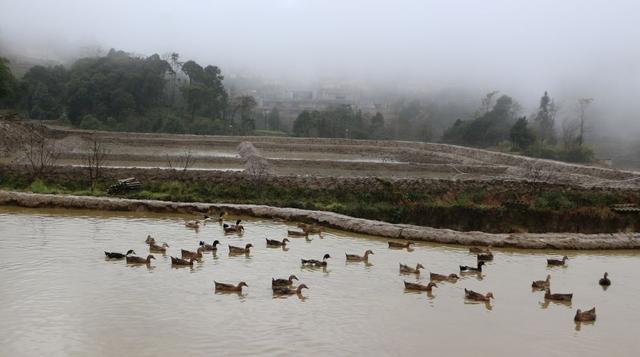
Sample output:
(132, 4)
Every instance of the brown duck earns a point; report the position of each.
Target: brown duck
(158, 248)
(178, 261)
(316, 263)
(285, 290)
(150, 240)
(240, 250)
(230, 287)
(558, 297)
(468, 269)
(358, 258)
(310, 228)
(297, 234)
(114, 255)
(210, 247)
(485, 257)
(192, 224)
(586, 316)
(472, 295)
(557, 262)
(404, 245)
(140, 260)
(441, 277)
(283, 282)
(276, 243)
(542, 284)
(409, 270)
(415, 286)
(186, 254)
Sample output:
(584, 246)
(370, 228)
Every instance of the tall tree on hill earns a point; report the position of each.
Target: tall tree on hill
(273, 119)
(583, 105)
(545, 120)
(7, 81)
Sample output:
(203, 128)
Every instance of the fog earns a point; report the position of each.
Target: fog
(571, 48)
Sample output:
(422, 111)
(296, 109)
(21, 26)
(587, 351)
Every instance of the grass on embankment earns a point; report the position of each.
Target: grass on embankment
(465, 209)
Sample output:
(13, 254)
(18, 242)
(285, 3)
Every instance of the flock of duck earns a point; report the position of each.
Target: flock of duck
(284, 286)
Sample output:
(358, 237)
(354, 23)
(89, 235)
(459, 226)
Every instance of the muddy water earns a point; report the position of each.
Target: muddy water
(60, 297)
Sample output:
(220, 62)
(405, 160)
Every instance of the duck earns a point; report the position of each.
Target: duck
(542, 284)
(441, 277)
(485, 257)
(276, 243)
(297, 233)
(605, 281)
(559, 297)
(468, 269)
(178, 261)
(235, 228)
(114, 255)
(206, 219)
(230, 287)
(285, 290)
(158, 248)
(557, 261)
(186, 254)
(283, 282)
(478, 250)
(310, 228)
(210, 247)
(586, 316)
(316, 263)
(415, 286)
(149, 239)
(240, 250)
(358, 258)
(409, 270)
(192, 224)
(140, 260)
(400, 245)
(472, 295)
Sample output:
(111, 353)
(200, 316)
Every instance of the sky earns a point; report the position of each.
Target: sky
(571, 48)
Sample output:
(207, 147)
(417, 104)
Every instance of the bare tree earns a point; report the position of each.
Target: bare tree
(487, 102)
(95, 159)
(569, 132)
(583, 104)
(181, 162)
(40, 152)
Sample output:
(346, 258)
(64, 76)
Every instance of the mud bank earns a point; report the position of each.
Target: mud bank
(334, 220)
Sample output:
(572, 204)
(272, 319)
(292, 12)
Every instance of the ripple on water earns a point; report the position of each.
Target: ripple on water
(54, 276)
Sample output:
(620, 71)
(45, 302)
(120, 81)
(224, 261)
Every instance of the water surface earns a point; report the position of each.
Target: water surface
(60, 297)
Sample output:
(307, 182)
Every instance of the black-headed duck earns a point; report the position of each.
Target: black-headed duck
(235, 228)
(149, 239)
(316, 263)
(605, 281)
(485, 257)
(359, 258)
(468, 269)
(114, 255)
(210, 247)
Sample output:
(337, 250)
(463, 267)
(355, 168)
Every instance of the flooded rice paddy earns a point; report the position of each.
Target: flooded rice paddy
(60, 296)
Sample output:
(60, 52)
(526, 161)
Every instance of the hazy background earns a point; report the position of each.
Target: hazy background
(522, 48)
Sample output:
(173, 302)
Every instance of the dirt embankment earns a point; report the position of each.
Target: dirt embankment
(334, 220)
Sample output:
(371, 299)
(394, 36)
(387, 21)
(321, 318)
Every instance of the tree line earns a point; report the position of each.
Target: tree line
(120, 91)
